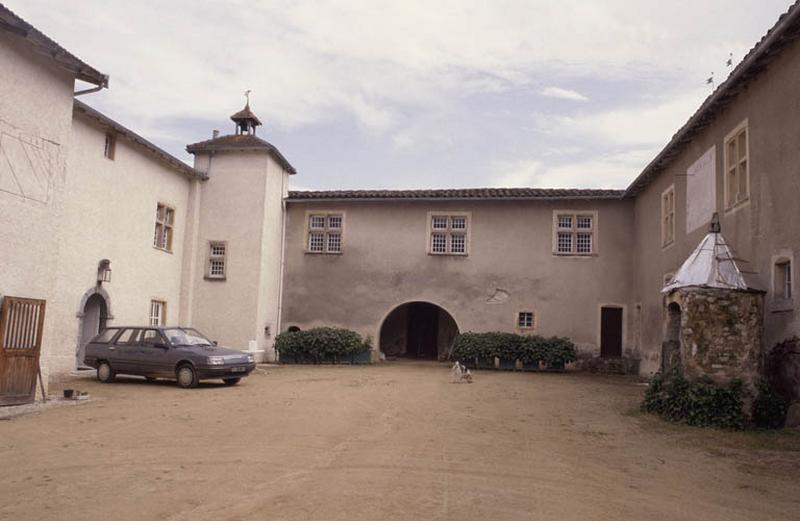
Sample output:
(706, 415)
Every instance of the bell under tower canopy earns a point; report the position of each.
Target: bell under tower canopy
(246, 121)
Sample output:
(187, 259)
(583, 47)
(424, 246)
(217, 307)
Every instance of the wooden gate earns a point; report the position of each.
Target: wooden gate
(21, 324)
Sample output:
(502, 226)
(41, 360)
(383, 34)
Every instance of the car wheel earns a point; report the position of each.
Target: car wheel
(231, 381)
(104, 373)
(186, 376)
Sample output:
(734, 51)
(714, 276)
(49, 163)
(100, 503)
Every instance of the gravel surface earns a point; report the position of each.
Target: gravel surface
(385, 442)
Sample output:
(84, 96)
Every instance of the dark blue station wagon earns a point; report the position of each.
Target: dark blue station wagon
(181, 353)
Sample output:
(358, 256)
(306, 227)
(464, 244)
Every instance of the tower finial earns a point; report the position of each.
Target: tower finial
(247, 96)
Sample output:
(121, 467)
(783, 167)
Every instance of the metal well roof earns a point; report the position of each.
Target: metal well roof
(713, 265)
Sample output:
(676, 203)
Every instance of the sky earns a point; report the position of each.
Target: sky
(415, 94)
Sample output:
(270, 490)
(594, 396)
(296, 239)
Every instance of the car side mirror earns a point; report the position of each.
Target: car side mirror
(214, 342)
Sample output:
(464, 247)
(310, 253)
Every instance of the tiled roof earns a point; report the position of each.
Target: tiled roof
(246, 113)
(457, 194)
(785, 31)
(43, 45)
(241, 142)
(164, 156)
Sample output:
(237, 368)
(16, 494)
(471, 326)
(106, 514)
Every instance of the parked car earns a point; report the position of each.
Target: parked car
(181, 353)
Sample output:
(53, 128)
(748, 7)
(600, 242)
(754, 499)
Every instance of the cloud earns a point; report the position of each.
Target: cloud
(403, 77)
(558, 92)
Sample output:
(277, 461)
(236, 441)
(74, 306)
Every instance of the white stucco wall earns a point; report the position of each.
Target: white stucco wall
(35, 121)
(109, 213)
(241, 204)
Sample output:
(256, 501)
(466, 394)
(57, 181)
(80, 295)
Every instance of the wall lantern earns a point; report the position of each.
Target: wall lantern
(103, 271)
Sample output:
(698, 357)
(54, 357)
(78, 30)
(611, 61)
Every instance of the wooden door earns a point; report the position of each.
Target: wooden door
(21, 324)
(610, 332)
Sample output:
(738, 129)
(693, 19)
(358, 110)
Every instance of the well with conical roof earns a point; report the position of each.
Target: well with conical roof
(713, 316)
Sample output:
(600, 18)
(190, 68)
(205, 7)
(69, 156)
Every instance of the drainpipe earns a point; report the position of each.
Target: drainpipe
(283, 259)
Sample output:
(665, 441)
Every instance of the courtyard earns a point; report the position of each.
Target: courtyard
(388, 441)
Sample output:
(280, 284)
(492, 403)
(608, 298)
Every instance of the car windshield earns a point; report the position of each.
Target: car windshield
(186, 337)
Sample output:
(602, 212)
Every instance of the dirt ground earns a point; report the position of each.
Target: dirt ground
(385, 442)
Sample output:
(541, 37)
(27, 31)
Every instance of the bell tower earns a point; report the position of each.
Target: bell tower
(246, 121)
(234, 284)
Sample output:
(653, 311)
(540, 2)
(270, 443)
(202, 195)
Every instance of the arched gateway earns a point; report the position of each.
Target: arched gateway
(418, 330)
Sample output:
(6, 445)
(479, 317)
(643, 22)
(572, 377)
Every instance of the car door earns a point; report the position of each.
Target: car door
(152, 357)
(123, 352)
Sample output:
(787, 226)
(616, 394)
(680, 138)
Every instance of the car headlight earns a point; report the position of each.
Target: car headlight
(251, 358)
(215, 360)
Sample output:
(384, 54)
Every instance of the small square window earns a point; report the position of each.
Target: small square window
(564, 243)
(335, 222)
(439, 222)
(584, 243)
(458, 223)
(317, 222)
(316, 242)
(334, 242)
(525, 320)
(438, 243)
(584, 222)
(458, 244)
(565, 222)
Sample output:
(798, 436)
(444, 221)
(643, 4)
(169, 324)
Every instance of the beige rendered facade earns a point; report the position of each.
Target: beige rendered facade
(245, 259)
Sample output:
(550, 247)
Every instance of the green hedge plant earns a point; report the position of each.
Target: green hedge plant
(321, 344)
(479, 348)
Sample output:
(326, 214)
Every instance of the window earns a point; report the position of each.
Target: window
(165, 220)
(158, 312)
(574, 233)
(783, 279)
(106, 336)
(152, 337)
(525, 320)
(737, 168)
(110, 146)
(325, 233)
(668, 216)
(128, 337)
(217, 260)
(448, 234)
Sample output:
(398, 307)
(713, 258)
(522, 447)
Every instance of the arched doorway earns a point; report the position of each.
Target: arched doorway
(671, 346)
(94, 315)
(418, 330)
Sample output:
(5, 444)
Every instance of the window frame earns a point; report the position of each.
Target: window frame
(162, 316)
(325, 231)
(448, 232)
(733, 136)
(210, 258)
(574, 231)
(165, 225)
(668, 215)
(533, 321)
(110, 146)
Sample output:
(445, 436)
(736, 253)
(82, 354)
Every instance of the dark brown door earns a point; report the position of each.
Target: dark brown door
(611, 332)
(423, 330)
(21, 323)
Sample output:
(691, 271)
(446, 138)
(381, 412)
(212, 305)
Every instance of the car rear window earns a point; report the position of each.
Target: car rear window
(106, 336)
(128, 336)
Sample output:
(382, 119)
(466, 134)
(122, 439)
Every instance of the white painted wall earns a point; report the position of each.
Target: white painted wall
(35, 121)
(241, 203)
(109, 212)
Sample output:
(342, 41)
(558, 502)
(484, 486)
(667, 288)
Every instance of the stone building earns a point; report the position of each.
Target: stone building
(105, 227)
